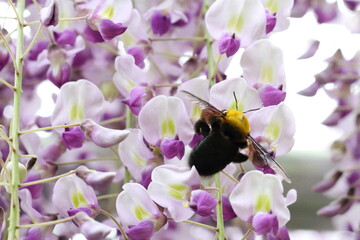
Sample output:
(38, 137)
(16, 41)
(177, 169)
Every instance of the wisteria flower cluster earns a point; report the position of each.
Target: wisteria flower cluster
(340, 81)
(111, 161)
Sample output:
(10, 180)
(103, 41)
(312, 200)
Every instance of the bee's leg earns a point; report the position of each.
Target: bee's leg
(239, 158)
(202, 128)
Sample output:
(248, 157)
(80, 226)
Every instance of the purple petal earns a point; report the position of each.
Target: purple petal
(100, 180)
(92, 35)
(263, 222)
(66, 37)
(142, 231)
(36, 189)
(33, 234)
(228, 212)
(326, 12)
(283, 233)
(73, 138)
(49, 15)
(311, 90)
(171, 148)
(202, 202)
(146, 177)
(311, 51)
(329, 211)
(270, 21)
(4, 58)
(195, 140)
(271, 96)
(327, 183)
(61, 77)
(160, 23)
(351, 4)
(228, 44)
(94, 230)
(72, 212)
(108, 29)
(138, 54)
(134, 101)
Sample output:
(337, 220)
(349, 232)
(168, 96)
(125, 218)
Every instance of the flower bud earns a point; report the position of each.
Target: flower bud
(101, 136)
(160, 23)
(327, 183)
(49, 16)
(143, 230)
(90, 228)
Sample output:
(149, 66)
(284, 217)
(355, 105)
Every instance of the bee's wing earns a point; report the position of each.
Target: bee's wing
(268, 159)
(202, 103)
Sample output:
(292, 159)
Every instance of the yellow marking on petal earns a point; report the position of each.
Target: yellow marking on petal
(76, 112)
(139, 161)
(108, 13)
(236, 23)
(186, 204)
(263, 203)
(128, 39)
(178, 191)
(196, 112)
(168, 128)
(78, 199)
(240, 106)
(273, 130)
(272, 6)
(267, 74)
(141, 213)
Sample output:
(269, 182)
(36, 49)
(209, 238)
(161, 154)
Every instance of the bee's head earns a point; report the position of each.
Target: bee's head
(238, 120)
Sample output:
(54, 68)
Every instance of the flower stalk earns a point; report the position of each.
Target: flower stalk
(14, 218)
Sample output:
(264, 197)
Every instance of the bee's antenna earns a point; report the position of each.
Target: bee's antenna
(254, 109)
(236, 101)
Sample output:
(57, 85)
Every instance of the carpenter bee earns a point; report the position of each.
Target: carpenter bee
(224, 134)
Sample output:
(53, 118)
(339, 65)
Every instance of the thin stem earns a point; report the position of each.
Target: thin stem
(84, 161)
(247, 234)
(37, 34)
(10, 51)
(127, 177)
(45, 180)
(201, 225)
(107, 196)
(73, 19)
(116, 222)
(177, 39)
(28, 156)
(48, 128)
(8, 35)
(7, 84)
(118, 119)
(167, 85)
(229, 176)
(219, 210)
(49, 223)
(20, 20)
(7, 139)
(14, 218)
(4, 184)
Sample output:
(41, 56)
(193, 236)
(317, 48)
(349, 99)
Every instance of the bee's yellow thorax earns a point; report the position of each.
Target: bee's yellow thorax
(238, 120)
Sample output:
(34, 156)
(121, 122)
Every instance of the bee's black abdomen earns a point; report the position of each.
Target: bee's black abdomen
(213, 154)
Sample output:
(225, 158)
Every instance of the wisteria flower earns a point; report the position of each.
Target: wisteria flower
(76, 102)
(259, 192)
(137, 212)
(171, 187)
(245, 18)
(71, 195)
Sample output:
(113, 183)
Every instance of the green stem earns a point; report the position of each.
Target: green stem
(32, 41)
(49, 223)
(116, 222)
(247, 234)
(48, 128)
(7, 84)
(45, 180)
(14, 218)
(13, 58)
(177, 39)
(112, 120)
(201, 225)
(107, 196)
(229, 176)
(219, 210)
(85, 161)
